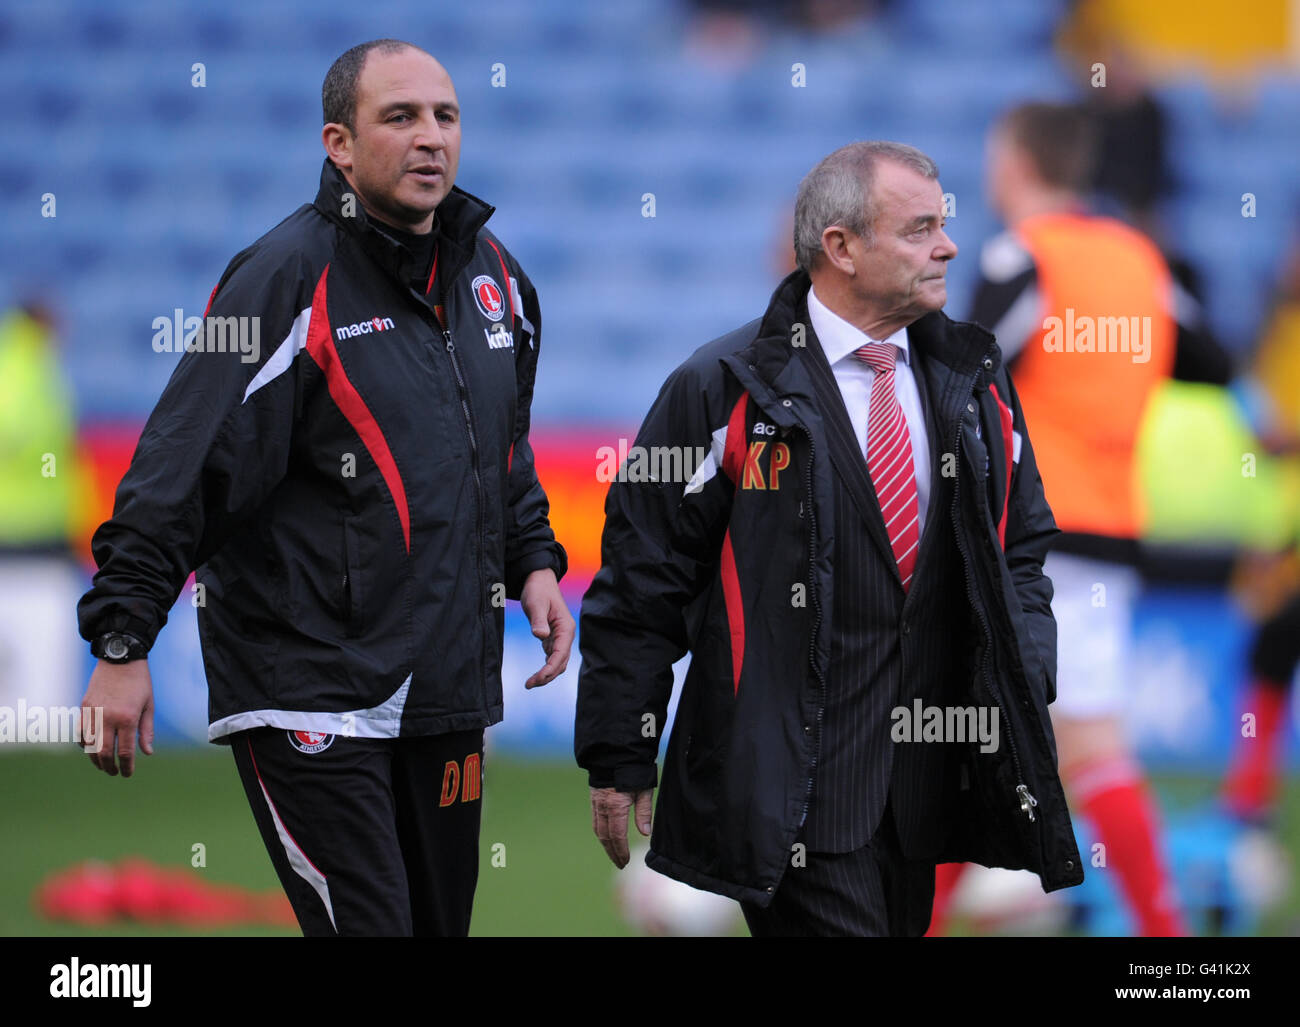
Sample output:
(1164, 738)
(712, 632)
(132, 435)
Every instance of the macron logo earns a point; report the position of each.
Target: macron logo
(375, 324)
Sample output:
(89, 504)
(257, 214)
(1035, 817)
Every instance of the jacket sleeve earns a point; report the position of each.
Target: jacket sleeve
(530, 542)
(1030, 532)
(659, 551)
(211, 451)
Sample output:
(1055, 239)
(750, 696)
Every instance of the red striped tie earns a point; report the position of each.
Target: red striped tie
(889, 458)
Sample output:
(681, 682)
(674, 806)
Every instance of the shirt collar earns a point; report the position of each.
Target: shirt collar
(840, 339)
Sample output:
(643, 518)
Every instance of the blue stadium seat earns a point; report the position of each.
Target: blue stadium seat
(1001, 27)
(159, 183)
(1277, 106)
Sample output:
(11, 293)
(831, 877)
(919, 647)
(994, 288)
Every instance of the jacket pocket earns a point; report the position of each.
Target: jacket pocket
(351, 604)
(704, 758)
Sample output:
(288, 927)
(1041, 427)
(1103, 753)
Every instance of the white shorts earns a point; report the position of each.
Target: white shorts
(1092, 602)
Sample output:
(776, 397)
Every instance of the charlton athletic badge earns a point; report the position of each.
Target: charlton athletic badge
(310, 741)
(487, 294)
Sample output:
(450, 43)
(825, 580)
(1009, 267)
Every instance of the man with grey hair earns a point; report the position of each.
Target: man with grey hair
(857, 573)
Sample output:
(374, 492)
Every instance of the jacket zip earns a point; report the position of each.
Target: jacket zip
(817, 619)
(478, 481)
(347, 583)
(817, 607)
(1023, 797)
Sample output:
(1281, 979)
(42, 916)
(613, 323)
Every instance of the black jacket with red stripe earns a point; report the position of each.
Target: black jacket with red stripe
(354, 486)
(733, 560)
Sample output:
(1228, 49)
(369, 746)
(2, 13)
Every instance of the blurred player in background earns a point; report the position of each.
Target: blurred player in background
(1268, 583)
(42, 487)
(1091, 322)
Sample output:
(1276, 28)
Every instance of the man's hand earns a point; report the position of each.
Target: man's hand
(552, 623)
(125, 694)
(609, 819)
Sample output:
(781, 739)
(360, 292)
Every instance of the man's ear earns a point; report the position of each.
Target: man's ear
(835, 249)
(337, 139)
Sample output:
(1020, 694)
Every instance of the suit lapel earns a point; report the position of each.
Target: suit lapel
(846, 453)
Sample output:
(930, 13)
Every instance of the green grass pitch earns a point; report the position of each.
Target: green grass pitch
(58, 810)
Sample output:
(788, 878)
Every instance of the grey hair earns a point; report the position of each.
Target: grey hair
(838, 192)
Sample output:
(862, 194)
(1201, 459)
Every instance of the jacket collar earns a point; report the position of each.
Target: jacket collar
(961, 345)
(460, 216)
(840, 339)
(966, 355)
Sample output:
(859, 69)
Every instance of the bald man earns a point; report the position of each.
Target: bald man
(342, 454)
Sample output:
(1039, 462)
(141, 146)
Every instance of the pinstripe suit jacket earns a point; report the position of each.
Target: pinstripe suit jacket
(887, 648)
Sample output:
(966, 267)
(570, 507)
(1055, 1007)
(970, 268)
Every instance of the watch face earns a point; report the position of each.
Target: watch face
(116, 648)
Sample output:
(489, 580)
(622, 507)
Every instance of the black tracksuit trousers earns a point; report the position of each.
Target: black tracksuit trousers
(369, 836)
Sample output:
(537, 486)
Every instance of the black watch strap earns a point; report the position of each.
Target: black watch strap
(118, 647)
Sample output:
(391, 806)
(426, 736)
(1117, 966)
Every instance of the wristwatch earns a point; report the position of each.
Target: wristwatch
(118, 647)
